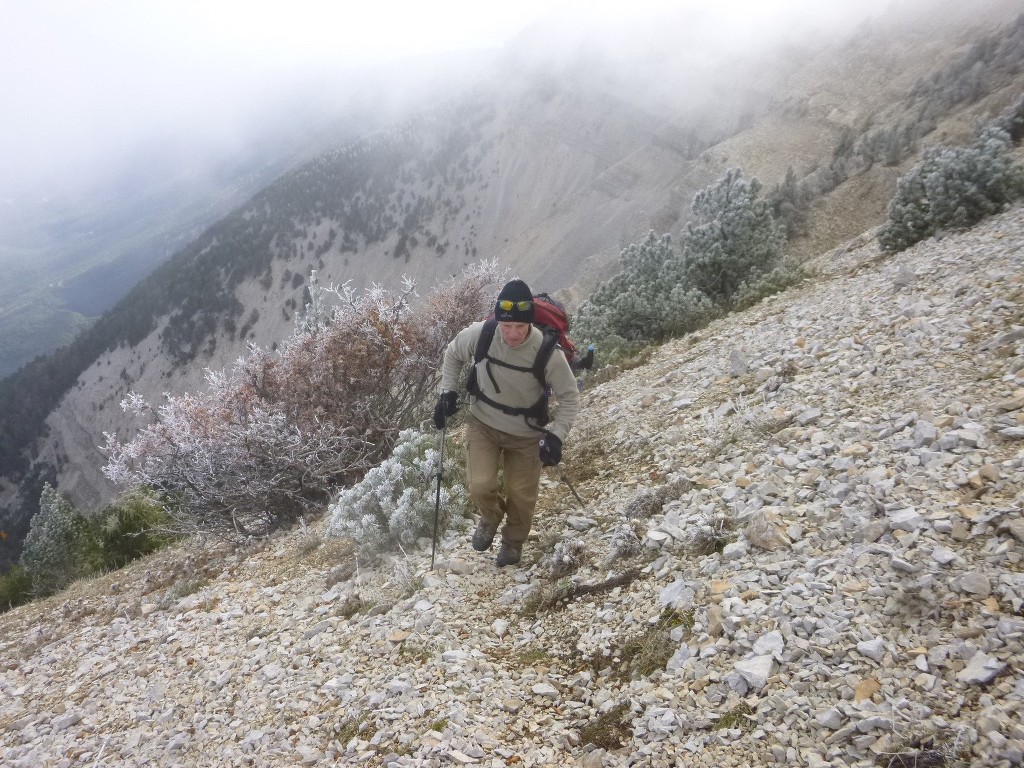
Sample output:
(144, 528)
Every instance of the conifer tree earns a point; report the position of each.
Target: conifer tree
(953, 188)
(632, 304)
(735, 237)
(59, 547)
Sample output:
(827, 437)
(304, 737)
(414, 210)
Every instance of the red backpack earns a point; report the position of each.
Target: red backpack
(549, 316)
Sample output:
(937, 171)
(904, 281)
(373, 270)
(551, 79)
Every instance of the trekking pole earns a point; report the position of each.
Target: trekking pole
(437, 505)
(566, 481)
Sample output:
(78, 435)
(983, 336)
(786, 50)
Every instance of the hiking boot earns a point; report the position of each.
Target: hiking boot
(509, 554)
(483, 536)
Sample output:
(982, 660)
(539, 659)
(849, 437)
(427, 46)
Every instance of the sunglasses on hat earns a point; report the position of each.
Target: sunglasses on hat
(507, 305)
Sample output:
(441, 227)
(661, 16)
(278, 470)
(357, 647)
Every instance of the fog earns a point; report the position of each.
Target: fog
(97, 91)
(86, 83)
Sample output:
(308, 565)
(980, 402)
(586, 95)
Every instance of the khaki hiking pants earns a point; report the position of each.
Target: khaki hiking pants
(488, 449)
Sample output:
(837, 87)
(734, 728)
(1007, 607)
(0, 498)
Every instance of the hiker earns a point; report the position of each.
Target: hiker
(508, 414)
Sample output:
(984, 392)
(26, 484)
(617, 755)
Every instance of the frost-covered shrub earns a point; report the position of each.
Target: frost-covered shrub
(649, 300)
(644, 504)
(626, 540)
(276, 437)
(60, 546)
(393, 505)
(710, 533)
(953, 188)
(633, 303)
(567, 557)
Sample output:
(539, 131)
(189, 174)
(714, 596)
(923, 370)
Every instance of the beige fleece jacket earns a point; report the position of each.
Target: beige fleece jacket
(517, 389)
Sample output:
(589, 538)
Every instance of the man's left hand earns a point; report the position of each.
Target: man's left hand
(550, 450)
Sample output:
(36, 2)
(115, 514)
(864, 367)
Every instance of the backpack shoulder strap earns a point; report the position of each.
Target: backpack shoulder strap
(483, 343)
(540, 363)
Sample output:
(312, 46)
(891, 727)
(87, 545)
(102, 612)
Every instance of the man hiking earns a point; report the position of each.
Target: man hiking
(509, 424)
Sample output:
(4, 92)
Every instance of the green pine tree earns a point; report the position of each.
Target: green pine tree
(735, 237)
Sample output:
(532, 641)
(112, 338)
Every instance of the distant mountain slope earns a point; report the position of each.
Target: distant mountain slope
(549, 171)
(72, 258)
(73, 247)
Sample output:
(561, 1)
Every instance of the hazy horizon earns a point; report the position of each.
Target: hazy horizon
(88, 84)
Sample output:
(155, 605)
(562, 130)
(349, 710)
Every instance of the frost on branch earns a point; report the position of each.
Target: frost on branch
(394, 504)
(278, 435)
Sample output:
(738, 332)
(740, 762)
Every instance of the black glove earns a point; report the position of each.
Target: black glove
(587, 362)
(550, 450)
(447, 405)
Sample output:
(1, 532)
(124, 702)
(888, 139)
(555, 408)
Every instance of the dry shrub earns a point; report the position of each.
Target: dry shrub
(274, 439)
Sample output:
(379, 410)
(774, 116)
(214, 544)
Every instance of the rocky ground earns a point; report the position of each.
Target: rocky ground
(798, 542)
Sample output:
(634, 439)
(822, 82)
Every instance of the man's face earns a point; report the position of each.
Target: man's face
(514, 334)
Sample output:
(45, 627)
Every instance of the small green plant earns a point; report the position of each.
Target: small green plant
(261, 630)
(546, 597)
(186, 588)
(644, 654)
(564, 591)
(532, 657)
(133, 526)
(785, 274)
(354, 728)
(415, 652)
(351, 605)
(15, 588)
(671, 618)
(616, 355)
(737, 717)
(439, 725)
(610, 730)
(534, 602)
(648, 652)
(308, 545)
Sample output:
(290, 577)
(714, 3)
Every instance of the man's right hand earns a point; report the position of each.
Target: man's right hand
(447, 405)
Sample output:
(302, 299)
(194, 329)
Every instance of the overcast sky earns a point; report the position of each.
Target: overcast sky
(82, 78)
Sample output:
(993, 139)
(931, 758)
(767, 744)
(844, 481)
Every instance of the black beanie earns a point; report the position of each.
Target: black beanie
(514, 291)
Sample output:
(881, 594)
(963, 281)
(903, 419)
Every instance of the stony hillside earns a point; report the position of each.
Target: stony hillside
(799, 543)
